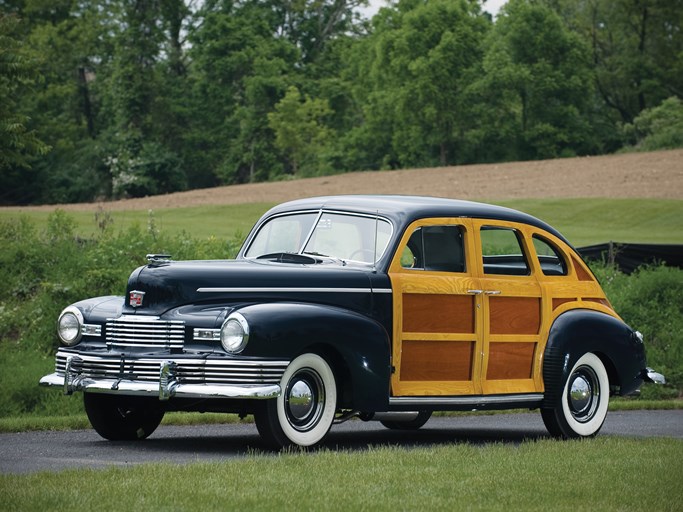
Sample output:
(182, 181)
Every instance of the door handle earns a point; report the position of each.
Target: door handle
(475, 292)
(492, 292)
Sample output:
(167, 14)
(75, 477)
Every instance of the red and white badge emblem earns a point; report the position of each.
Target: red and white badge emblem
(135, 298)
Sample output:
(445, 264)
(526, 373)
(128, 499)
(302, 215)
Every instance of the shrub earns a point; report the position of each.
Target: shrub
(656, 128)
(651, 300)
(44, 271)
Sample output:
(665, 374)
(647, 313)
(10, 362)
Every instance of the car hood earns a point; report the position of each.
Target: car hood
(159, 288)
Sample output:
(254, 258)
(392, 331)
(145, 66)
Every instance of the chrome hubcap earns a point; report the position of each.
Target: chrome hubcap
(300, 400)
(304, 400)
(583, 394)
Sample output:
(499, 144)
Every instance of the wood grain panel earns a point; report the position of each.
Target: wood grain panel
(558, 302)
(438, 313)
(597, 301)
(580, 272)
(436, 360)
(510, 361)
(515, 315)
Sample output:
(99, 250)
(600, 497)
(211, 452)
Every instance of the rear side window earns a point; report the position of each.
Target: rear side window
(502, 252)
(551, 260)
(436, 248)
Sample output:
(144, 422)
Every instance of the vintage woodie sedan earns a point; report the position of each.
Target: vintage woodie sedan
(382, 307)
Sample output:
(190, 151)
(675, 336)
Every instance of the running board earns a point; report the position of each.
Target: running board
(475, 402)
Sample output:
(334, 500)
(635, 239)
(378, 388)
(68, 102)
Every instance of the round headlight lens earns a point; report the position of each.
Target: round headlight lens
(69, 326)
(234, 333)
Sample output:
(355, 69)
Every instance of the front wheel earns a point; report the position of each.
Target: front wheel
(303, 413)
(582, 407)
(123, 418)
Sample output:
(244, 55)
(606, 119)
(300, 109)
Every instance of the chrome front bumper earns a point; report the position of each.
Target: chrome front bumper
(168, 385)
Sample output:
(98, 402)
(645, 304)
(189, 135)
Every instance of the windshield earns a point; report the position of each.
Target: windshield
(342, 236)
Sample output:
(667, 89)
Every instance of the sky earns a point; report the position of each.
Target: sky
(492, 6)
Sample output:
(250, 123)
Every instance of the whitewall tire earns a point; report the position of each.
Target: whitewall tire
(304, 412)
(582, 407)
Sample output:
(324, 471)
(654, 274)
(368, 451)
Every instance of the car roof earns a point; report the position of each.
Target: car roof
(402, 210)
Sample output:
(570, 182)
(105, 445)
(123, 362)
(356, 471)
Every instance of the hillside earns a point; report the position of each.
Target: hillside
(656, 175)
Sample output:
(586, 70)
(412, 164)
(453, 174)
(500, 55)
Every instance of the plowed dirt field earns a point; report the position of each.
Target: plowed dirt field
(657, 175)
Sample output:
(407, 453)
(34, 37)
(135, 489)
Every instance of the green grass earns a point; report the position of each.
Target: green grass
(591, 221)
(582, 221)
(607, 473)
(200, 222)
(80, 421)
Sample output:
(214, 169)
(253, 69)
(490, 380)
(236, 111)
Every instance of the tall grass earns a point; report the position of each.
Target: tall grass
(44, 270)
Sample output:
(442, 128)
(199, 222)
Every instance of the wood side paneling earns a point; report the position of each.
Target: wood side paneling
(515, 315)
(436, 360)
(580, 272)
(558, 302)
(438, 313)
(597, 301)
(510, 361)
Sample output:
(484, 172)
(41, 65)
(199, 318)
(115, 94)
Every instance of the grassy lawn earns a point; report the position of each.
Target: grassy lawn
(607, 473)
(582, 221)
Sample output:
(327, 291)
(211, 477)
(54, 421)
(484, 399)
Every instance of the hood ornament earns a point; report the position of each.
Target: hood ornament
(158, 259)
(135, 298)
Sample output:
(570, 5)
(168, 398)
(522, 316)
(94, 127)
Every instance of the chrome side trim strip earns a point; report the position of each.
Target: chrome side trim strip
(479, 400)
(293, 290)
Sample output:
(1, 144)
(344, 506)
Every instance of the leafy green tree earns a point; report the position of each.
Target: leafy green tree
(19, 142)
(300, 131)
(535, 90)
(636, 46)
(411, 76)
(240, 71)
(138, 162)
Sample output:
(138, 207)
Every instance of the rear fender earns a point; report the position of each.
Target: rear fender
(579, 331)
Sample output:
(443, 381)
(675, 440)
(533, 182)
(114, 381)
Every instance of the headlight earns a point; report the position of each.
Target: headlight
(69, 326)
(235, 333)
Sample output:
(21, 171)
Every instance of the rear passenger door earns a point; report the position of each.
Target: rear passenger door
(512, 303)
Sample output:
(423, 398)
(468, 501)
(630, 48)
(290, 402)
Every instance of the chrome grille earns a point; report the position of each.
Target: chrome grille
(188, 371)
(145, 332)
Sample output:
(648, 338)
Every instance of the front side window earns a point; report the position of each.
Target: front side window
(342, 236)
(437, 248)
(502, 252)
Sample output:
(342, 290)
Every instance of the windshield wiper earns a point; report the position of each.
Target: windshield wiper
(333, 258)
(288, 257)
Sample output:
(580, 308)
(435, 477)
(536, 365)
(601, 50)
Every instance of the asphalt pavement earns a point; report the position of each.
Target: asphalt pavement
(29, 452)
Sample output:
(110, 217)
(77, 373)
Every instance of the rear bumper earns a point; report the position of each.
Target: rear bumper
(649, 375)
(165, 379)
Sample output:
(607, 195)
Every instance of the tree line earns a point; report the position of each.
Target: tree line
(122, 98)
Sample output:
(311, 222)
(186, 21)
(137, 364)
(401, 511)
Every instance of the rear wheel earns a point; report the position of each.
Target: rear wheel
(123, 418)
(303, 414)
(582, 407)
(420, 419)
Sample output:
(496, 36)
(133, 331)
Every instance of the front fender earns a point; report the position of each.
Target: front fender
(358, 346)
(581, 330)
